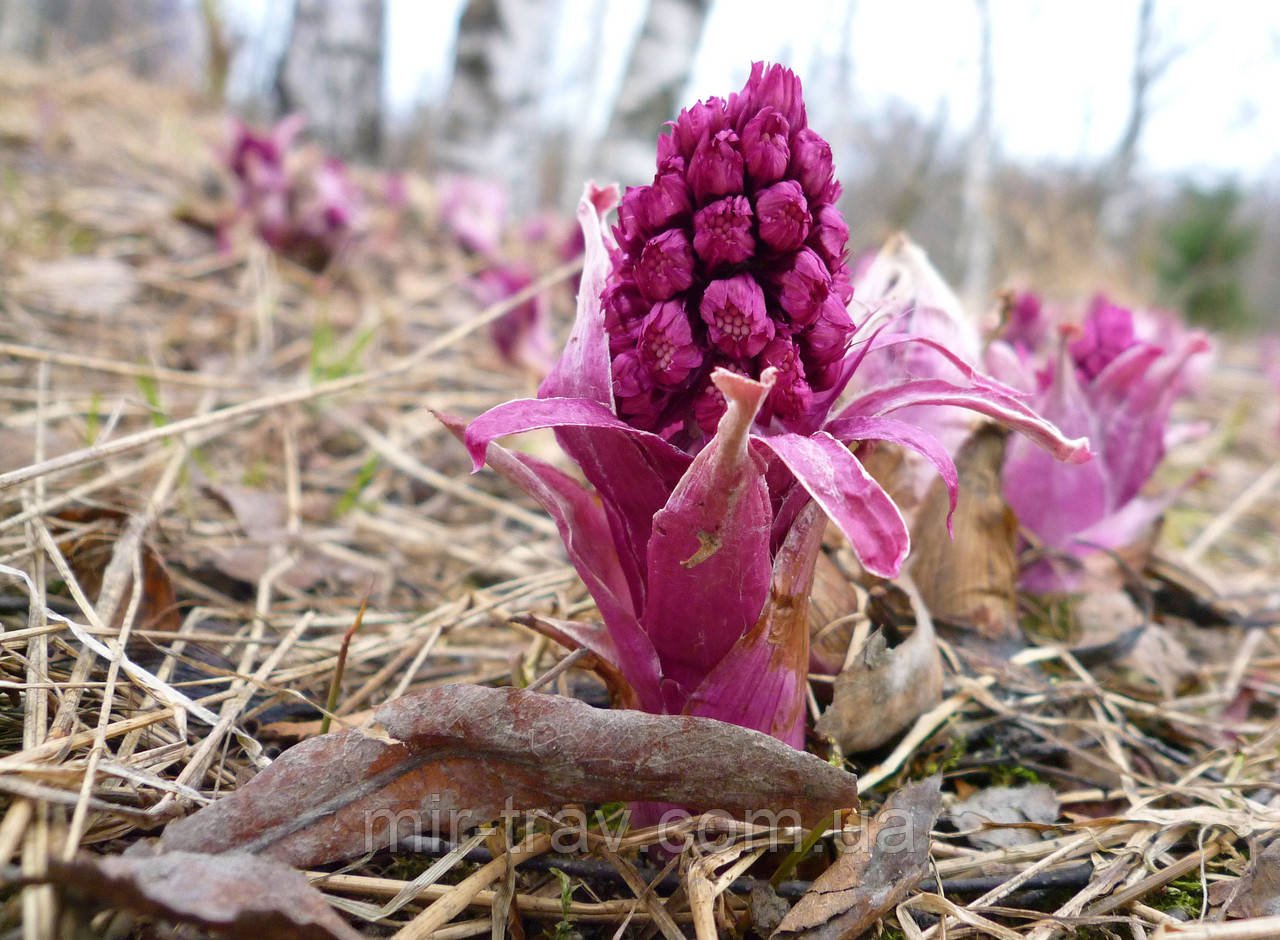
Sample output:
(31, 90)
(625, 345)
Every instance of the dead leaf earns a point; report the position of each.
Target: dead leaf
(767, 909)
(970, 582)
(1183, 592)
(1103, 617)
(234, 895)
(863, 884)
(884, 690)
(1036, 803)
(1257, 892)
(85, 286)
(833, 599)
(461, 754)
(263, 518)
(1160, 657)
(89, 552)
(260, 513)
(248, 562)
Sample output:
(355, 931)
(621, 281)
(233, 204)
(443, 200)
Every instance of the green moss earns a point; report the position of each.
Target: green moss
(1011, 775)
(1184, 894)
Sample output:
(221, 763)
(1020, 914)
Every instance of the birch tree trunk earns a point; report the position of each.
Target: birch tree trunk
(1120, 201)
(491, 122)
(332, 72)
(21, 28)
(656, 75)
(976, 216)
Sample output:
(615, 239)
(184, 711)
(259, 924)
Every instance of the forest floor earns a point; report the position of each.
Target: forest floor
(254, 443)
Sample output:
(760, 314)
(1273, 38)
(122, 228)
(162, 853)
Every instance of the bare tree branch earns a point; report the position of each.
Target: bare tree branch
(976, 228)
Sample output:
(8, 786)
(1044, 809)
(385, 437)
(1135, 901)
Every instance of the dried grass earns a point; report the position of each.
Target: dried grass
(186, 389)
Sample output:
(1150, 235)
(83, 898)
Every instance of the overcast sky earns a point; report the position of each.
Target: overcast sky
(1061, 67)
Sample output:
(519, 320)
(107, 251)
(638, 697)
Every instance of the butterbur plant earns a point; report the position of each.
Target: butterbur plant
(1104, 382)
(307, 209)
(521, 337)
(474, 211)
(695, 393)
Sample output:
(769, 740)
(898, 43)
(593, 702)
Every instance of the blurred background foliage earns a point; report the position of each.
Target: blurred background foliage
(539, 95)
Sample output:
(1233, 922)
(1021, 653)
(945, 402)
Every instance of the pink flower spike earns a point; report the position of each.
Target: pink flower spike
(707, 441)
(1107, 332)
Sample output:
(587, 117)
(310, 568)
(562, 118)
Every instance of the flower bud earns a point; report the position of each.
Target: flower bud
(716, 167)
(722, 232)
(1108, 331)
(804, 288)
(811, 164)
(784, 216)
(666, 347)
(665, 266)
(764, 143)
(830, 236)
(737, 321)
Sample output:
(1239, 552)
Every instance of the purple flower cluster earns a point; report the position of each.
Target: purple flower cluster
(1117, 389)
(309, 210)
(734, 257)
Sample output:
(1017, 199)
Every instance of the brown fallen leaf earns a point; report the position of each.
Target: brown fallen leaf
(448, 758)
(262, 514)
(1005, 810)
(890, 858)
(1111, 629)
(89, 552)
(1183, 592)
(833, 599)
(233, 895)
(970, 582)
(1104, 624)
(767, 909)
(884, 690)
(1256, 893)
